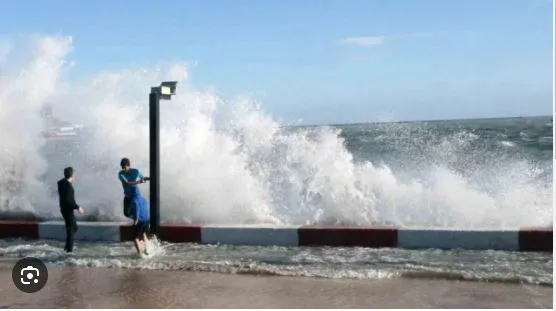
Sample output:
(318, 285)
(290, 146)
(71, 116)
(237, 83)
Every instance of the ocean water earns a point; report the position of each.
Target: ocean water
(321, 262)
(459, 173)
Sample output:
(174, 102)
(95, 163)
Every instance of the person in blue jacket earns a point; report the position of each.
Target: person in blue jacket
(130, 179)
(141, 220)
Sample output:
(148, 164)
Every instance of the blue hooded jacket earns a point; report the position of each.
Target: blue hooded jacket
(139, 206)
(131, 175)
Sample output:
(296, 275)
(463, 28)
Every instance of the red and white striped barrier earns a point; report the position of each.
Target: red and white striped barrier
(523, 239)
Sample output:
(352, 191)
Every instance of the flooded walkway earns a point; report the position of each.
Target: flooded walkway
(70, 287)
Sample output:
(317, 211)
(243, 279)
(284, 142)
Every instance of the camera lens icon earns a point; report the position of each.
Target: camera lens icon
(29, 275)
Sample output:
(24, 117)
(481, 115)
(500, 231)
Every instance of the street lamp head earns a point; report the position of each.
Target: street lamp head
(170, 85)
(166, 89)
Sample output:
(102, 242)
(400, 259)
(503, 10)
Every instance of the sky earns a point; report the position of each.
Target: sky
(322, 61)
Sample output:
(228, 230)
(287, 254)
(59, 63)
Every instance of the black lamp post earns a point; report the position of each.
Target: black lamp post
(164, 92)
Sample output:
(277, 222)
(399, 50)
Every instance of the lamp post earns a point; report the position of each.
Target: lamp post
(164, 92)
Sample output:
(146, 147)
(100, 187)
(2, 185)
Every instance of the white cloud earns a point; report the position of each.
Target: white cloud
(363, 41)
(367, 41)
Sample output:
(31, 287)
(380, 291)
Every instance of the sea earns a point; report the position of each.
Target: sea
(475, 173)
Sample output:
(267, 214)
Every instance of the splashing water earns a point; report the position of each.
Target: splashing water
(327, 262)
(229, 162)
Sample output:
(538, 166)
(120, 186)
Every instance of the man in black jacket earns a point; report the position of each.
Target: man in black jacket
(67, 206)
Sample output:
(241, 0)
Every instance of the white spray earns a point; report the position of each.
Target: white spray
(224, 162)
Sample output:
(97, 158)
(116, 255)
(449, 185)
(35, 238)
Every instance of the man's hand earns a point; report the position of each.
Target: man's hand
(81, 210)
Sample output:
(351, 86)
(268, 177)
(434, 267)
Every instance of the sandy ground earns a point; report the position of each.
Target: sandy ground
(123, 288)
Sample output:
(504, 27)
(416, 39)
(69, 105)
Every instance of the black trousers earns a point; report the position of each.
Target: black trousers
(71, 229)
(127, 207)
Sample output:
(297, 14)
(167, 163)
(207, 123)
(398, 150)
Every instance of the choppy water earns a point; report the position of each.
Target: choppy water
(453, 142)
(358, 263)
(466, 173)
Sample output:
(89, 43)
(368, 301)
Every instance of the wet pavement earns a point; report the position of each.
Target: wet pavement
(78, 287)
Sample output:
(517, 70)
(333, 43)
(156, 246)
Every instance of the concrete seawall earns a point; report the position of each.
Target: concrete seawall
(520, 239)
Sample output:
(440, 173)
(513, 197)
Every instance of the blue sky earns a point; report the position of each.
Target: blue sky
(323, 61)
